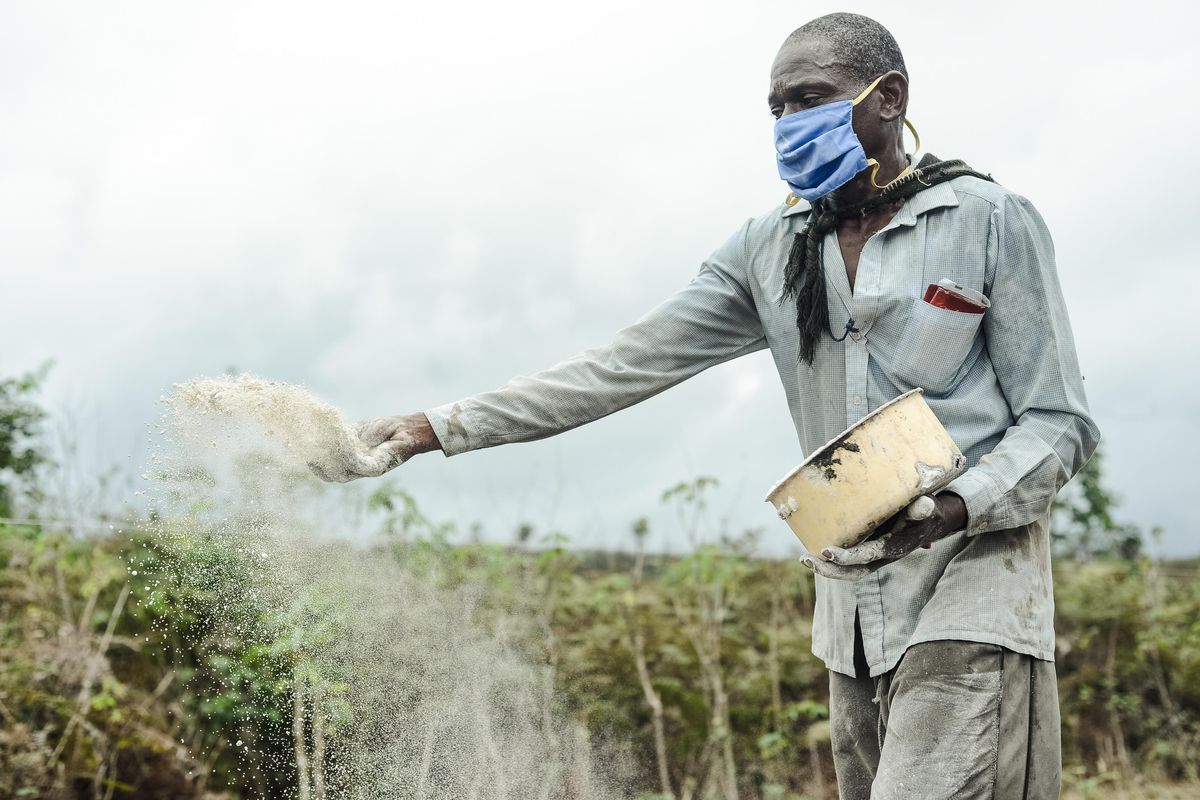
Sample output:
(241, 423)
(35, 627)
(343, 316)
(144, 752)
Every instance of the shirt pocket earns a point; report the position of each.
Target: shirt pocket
(934, 345)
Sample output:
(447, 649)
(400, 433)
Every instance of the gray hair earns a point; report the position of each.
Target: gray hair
(865, 48)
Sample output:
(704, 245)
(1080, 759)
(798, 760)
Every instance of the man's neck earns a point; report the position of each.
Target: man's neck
(861, 190)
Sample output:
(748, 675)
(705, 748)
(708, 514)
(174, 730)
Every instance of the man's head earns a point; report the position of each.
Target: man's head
(835, 57)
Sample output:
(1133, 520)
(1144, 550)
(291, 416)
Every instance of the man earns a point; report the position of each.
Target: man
(938, 634)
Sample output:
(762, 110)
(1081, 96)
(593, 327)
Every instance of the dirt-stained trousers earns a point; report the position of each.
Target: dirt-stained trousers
(952, 719)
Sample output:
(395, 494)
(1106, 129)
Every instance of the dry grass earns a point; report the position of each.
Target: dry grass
(1134, 790)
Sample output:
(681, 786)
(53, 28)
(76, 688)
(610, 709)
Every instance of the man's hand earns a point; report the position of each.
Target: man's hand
(390, 441)
(926, 520)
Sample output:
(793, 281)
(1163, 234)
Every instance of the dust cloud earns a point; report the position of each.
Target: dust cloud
(392, 683)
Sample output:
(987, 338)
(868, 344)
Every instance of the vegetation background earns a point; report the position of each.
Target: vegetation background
(694, 669)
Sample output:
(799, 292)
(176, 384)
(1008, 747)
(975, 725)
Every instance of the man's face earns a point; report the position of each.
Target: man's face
(806, 74)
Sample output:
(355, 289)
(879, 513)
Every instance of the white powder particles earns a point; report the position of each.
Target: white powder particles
(311, 431)
(395, 689)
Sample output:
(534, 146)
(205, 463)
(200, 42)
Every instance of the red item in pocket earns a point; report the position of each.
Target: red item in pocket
(955, 297)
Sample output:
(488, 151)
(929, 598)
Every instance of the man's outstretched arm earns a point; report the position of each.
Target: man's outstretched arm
(709, 321)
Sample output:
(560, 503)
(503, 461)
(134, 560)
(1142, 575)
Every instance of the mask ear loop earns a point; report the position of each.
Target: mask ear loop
(874, 164)
(866, 91)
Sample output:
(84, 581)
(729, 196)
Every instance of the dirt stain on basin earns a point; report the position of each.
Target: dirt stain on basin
(827, 456)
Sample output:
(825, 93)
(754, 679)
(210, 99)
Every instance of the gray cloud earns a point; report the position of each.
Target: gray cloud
(401, 205)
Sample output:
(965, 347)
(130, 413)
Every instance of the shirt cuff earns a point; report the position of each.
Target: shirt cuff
(980, 496)
(455, 429)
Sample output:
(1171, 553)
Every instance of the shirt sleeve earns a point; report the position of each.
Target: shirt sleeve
(1032, 351)
(711, 320)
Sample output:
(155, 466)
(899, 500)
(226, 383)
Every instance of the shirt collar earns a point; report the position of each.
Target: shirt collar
(940, 195)
(801, 206)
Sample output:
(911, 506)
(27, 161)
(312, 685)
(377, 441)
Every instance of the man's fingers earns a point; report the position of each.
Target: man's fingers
(379, 460)
(362, 464)
(374, 432)
(330, 475)
(919, 510)
(371, 464)
(922, 508)
(835, 571)
(316, 469)
(852, 563)
(866, 553)
(397, 452)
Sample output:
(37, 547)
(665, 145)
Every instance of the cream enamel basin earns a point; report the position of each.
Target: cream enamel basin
(874, 469)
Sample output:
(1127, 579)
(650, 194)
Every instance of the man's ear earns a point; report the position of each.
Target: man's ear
(893, 96)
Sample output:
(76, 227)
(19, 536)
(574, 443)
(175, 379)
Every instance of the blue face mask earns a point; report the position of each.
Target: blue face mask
(818, 150)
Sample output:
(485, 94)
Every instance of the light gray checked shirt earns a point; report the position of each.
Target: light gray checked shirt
(1006, 385)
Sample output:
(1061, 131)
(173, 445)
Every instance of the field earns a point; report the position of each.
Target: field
(691, 674)
(224, 646)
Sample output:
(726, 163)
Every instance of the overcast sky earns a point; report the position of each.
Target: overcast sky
(398, 204)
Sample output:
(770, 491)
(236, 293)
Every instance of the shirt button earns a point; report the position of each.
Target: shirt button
(857, 400)
(858, 336)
